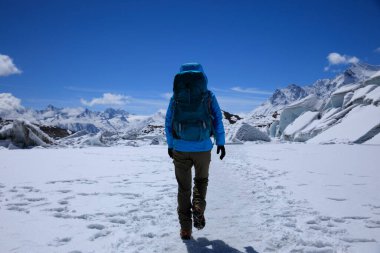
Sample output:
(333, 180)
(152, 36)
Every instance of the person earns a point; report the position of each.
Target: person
(193, 116)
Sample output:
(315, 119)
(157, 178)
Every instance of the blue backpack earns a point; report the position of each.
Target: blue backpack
(192, 118)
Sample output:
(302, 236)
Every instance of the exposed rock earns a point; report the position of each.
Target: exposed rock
(55, 132)
(232, 118)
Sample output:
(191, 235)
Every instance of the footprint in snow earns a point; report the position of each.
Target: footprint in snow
(27, 187)
(18, 209)
(96, 226)
(149, 235)
(324, 218)
(373, 224)
(357, 240)
(60, 241)
(339, 220)
(63, 191)
(316, 227)
(21, 195)
(356, 217)
(63, 202)
(312, 222)
(99, 235)
(35, 199)
(337, 199)
(57, 209)
(70, 181)
(118, 221)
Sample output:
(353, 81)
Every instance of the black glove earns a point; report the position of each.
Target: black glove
(223, 154)
(170, 152)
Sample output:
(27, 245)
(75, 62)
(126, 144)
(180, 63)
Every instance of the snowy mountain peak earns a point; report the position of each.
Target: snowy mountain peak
(322, 88)
(287, 95)
(52, 108)
(112, 113)
(357, 72)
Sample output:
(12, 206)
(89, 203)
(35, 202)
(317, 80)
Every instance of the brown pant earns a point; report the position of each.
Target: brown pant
(183, 162)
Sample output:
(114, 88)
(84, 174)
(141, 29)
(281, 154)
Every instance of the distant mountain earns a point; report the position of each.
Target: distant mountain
(301, 113)
(321, 88)
(87, 127)
(279, 99)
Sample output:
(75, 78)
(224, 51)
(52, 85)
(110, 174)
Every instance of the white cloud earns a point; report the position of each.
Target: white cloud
(8, 102)
(167, 95)
(377, 50)
(7, 66)
(107, 99)
(339, 59)
(73, 111)
(251, 91)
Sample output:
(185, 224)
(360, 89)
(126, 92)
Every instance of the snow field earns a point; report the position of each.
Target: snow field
(261, 198)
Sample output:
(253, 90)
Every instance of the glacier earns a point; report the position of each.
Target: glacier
(328, 103)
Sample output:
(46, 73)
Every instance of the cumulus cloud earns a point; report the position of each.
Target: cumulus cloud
(251, 90)
(107, 99)
(8, 102)
(7, 67)
(339, 59)
(377, 50)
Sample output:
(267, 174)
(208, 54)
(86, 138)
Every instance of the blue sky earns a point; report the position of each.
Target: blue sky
(124, 54)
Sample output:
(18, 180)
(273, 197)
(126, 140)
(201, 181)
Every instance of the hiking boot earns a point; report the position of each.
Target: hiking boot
(198, 218)
(185, 234)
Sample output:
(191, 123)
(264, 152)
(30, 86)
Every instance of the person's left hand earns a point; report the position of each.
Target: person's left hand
(223, 153)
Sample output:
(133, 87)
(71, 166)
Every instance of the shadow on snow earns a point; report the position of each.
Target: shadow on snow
(203, 245)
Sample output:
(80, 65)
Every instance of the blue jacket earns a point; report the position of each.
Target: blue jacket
(196, 146)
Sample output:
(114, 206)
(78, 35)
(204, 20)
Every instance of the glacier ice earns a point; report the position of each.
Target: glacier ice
(293, 111)
(23, 134)
(247, 132)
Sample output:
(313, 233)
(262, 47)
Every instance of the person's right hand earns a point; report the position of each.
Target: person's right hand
(223, 153)
(170, 152)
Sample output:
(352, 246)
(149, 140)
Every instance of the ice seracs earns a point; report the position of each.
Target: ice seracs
(327, 104)
(22, 134)
(360, 125)
(247, 132)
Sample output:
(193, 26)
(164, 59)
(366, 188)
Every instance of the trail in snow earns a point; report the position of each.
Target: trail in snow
(261, 198)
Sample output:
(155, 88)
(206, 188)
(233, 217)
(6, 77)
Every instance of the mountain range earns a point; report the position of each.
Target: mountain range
(293, 113)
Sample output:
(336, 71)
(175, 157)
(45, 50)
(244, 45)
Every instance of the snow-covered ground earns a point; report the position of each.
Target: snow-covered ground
(261, 198)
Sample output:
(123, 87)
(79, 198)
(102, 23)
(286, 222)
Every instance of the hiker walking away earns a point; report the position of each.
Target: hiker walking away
(193, 116)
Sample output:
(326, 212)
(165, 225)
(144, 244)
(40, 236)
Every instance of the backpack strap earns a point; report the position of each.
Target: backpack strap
(210, 113)
(175, 135)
